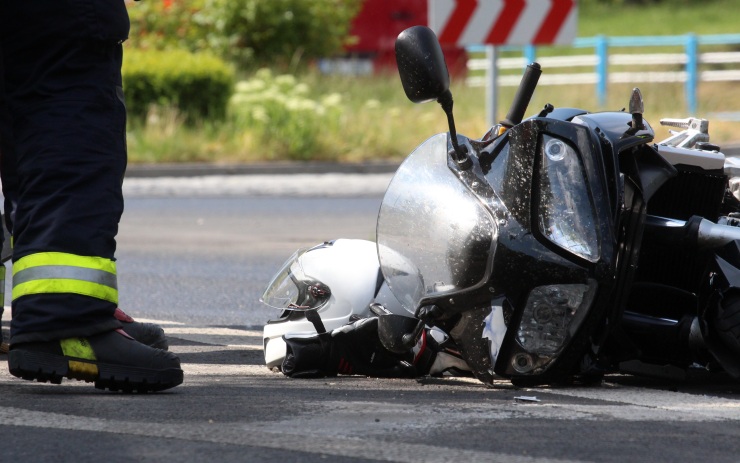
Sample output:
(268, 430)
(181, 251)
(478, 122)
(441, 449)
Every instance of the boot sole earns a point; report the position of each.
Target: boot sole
(43, 367)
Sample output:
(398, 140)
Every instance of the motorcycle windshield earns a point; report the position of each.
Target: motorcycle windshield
(434, 235)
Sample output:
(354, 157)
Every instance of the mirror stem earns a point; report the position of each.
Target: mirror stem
(409, 340)
(460, 152)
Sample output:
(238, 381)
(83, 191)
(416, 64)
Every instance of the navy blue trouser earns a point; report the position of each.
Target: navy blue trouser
(63, 148)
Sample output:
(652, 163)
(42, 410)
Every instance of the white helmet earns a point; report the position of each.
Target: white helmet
(339, 278)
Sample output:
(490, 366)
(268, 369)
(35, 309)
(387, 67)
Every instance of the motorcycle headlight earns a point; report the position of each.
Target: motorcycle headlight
(565, 211)
(550, 319)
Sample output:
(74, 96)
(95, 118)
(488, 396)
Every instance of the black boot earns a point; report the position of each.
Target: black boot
(150, 334)
(113, 360)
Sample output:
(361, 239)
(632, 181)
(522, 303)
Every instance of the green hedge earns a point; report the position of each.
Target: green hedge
(199, 85)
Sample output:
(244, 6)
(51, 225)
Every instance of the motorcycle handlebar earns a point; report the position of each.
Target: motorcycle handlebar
(697, 230)
(523, 95)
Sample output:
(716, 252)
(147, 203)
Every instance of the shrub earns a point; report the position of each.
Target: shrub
(248, 33)
(198, 85)
(289, 124)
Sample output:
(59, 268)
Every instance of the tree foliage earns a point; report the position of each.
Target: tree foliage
(249, 33)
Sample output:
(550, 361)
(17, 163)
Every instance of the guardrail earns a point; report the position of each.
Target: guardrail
(690, 60)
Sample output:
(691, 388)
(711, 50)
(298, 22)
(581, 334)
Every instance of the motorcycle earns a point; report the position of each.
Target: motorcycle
(558, 248)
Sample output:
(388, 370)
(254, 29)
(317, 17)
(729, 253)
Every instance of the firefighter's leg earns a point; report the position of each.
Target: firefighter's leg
(63, 89)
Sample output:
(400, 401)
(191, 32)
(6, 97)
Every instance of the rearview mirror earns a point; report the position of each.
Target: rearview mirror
(421, 65)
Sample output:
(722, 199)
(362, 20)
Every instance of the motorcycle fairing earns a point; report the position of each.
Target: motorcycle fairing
(648, 168)
(508, 254)
(511, 179)
(511, 257)
(526, 259)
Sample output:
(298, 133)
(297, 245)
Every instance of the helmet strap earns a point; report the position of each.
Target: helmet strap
(315, 319)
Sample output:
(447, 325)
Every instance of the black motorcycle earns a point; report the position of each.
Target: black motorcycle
(564, 246)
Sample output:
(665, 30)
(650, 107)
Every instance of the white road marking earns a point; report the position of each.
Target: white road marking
(209, 331)
(351, 428)
(209, 369)
(662, 404)
(159, 322)
(256, 436)
(214, 348)
(623, 402)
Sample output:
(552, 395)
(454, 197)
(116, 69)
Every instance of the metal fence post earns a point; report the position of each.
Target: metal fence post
(491, 84)
(602, 68)
(530, 54)
(692, 45)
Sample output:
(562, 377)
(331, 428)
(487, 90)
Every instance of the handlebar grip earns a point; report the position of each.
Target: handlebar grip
(523, 95)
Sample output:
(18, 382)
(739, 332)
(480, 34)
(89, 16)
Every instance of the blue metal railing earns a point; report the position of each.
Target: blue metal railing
(602, 45)
(690, 42)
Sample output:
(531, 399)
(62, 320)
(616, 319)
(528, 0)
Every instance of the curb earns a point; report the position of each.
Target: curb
(199, 169)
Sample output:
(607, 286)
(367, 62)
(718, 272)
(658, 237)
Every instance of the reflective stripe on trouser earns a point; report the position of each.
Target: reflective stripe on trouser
(61, 273)
(2, 287)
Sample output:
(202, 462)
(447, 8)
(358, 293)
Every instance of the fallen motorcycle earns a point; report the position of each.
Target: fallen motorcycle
(557, 248)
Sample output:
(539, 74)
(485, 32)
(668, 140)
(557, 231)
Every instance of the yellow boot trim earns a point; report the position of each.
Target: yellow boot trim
(81, 349)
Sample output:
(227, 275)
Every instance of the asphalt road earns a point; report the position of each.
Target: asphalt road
(207, 260)
(196, 258)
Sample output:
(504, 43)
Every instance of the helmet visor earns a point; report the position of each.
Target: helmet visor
(292, 289)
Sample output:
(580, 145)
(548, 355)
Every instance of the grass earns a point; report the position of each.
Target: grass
(699, 17)
(370, 119)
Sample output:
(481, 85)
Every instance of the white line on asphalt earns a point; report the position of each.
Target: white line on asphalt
(255, 436)
(624, 403)
(209, 369)
(670, 405)
(357, 428)
(159, 322)
(214, 348)
(213, 331)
